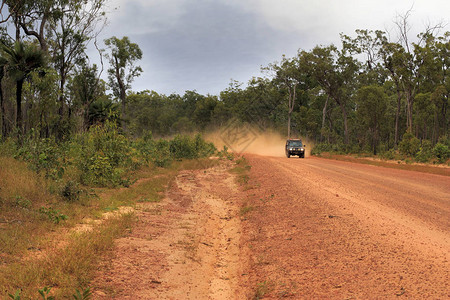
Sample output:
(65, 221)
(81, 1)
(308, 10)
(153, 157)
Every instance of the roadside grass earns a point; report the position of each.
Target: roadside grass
(241, 170)
(38, 247)
(66, 269)
(406, 165)
(262, 289)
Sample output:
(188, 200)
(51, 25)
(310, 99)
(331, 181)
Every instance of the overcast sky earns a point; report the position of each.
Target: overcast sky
(202, 44)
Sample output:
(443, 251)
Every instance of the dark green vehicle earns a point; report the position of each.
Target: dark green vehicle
(295, 147)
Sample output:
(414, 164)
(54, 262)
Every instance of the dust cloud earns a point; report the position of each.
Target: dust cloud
(255, 141)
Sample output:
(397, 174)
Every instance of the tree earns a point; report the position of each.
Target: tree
(335, 71)
(22, 59)
(86, 87)
(372, 106)
(31, 16)
(3, 65)
(287, 75)
(122, 58)
(73, 24)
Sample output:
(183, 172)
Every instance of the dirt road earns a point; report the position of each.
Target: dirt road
(348, 231)
(300, 228)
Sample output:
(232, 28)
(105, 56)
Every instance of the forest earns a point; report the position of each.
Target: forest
(369, 94)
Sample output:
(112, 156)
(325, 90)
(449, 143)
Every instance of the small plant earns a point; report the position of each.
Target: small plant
(224, 154)
(245, 210)
(44, 293)
(53, 214)
(71, 191)
(23, 203)
(16, 296)
(85, 295)
(261, 290)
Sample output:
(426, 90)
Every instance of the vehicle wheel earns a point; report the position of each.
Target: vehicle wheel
(288, 155)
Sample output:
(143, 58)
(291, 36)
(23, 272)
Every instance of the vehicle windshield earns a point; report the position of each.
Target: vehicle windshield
(295, 144)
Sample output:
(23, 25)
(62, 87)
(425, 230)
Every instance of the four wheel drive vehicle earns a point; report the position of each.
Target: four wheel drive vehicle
(295, 147)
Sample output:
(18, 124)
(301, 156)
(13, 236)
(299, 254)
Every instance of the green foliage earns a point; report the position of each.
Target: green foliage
(44, 155)
(190, 148)
(85, 295)
(52, 214)
(71, 191)
(103, 155)
(44, 293)
(16, 296)
(425, 153)
(225, 154)
(409, 145)
(325, 147)
(161, 155)
(441, 152)
(391, 154)
(22, 202)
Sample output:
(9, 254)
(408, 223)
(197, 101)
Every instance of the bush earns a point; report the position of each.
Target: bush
(44, 155)
(409, 145)
(441, 152)
(71, 191)
(161, 154)
(390, 155)
(103, 155)
(425, 153)
(182, 147)
(190, 148)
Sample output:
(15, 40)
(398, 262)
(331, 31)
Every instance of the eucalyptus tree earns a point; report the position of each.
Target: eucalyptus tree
(335, 71)
(122, 57)
(409, 62)
(30, 16)
(85, 88)
(287, 76)
(73, 25)
(372, 106)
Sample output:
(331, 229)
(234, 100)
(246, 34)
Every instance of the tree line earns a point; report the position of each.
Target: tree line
(367, 94)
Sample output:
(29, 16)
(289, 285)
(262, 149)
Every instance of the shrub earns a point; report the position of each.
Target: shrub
(161, 154)
(44, 155)
(71, 191)
(190, 148)
(103, 155)
(409, 145)
(425, 152)
(319, 148)
(441, 152)
(391, 154)
(182, 147)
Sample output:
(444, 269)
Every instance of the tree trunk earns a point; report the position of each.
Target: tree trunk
(324, 112)
(19, 107)
(344, 115)
(289, 126)
(122, 94)
(397, 115)
(2, 105)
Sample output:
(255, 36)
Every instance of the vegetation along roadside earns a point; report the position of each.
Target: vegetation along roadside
(54, 198)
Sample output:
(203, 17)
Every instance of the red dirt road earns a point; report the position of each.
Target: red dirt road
(300, 228)
(347, 231)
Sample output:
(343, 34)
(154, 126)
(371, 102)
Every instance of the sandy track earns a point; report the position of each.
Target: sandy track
(186, 247)
(343, 230)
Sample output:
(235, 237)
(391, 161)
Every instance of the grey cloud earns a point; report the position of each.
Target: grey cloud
(211, 44)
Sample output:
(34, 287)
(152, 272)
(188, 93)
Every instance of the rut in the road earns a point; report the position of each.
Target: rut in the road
(186, 247)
